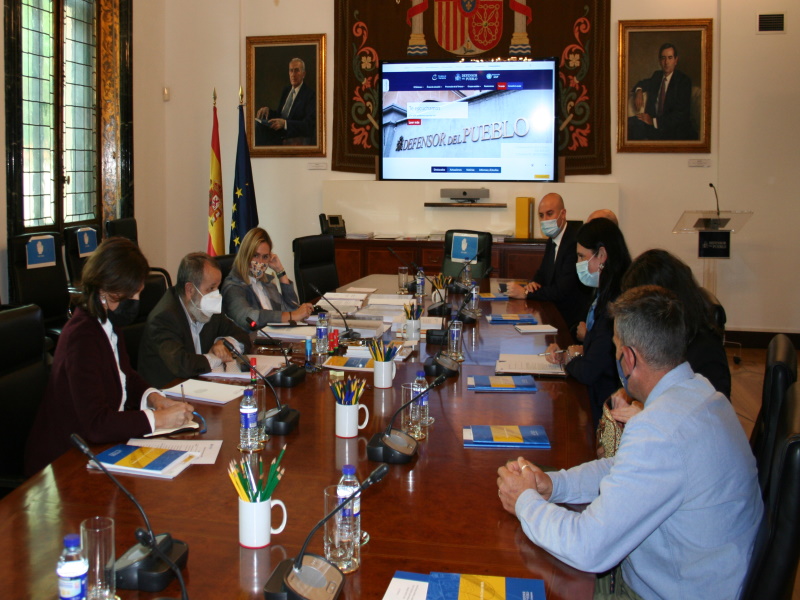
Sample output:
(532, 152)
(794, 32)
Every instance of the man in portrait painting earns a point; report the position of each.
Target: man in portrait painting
(294, 121)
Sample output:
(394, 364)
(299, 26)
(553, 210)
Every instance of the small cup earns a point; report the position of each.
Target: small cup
(261, 402)
(97, 541)
(402, 280)
(411, 418)
(255, 526)
(338, 538)
(454, 340)
(347, 424)
(384, 373)
(411, 330)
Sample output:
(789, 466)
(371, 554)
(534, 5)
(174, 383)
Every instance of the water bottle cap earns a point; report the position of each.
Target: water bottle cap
(72, 540)
(349, 470)
(420, 373)
(248, 392)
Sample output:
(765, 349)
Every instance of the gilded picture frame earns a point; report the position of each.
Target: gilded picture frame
(658, 113)
(285, 97)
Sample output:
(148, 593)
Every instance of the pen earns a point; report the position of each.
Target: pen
(551, 353)
(182, 394)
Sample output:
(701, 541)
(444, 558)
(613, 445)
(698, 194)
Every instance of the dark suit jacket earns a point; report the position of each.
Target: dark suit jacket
(675, 123)
(559, 279)
(167, 350)
(706, 355)
(301, 125)
(83, 394)
(597, 368)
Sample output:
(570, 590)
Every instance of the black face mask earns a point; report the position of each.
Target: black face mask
(125, 313)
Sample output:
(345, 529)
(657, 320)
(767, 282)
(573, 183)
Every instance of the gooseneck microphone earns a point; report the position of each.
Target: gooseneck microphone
(280, 420)
(394, 446)
(267, 340)
(144, 573)
(347, 334)
(719, 222)
(713, 187)
(311, 577)
(457, 285)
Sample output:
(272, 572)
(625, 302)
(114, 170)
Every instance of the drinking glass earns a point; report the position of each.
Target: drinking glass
(402, 280)
(411, 418)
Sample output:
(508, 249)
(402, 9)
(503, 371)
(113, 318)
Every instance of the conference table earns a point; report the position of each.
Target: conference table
(440, 512)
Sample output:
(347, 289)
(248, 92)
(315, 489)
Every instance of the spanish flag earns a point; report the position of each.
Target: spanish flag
(216, 231)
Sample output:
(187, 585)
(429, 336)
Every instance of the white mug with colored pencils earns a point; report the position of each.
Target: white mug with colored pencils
(255, 491)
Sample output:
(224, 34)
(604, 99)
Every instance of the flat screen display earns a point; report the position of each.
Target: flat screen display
(469, 121)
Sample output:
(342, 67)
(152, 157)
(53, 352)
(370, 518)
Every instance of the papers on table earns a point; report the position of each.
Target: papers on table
(233, 370)
(492, 296)
(501, 383)
(148, 461)
(451, 586)
(207, 450)
(510, 364)
(190, 426)
(407, 586)
(366, 328)
(390, 299)
(358, 290)
(523, 328)
(383, 313)
(512, 318)
(505, 436)
(206, 391)
(299, 332)
(344, 363)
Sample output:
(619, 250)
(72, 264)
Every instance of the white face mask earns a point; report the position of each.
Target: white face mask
(210, 304)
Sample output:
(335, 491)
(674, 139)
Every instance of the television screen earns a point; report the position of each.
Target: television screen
(469, 121)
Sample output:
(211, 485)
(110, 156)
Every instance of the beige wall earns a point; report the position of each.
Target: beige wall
(191, 46)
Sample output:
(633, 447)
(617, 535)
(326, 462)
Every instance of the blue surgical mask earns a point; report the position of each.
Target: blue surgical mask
(622, 378)
(586, 277)
(550, 228)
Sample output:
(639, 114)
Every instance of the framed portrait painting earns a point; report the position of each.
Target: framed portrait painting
(285, 106)
(664, 86)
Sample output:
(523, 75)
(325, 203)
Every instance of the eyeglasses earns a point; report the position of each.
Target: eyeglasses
(203, 426)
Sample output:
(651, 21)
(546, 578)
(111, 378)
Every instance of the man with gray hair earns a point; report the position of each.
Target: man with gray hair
(293, 122)
(184, 332)
(675, 512)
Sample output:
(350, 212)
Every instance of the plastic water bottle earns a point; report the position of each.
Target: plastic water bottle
(322, 333)
(420, 283)
(347, 485)
(424, 412)
(249, 438)
(72, 569)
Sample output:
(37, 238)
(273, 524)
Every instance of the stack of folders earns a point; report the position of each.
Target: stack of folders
(454, 586)
(511, 319)
(501, 383)
(505, 436)
(144, 460)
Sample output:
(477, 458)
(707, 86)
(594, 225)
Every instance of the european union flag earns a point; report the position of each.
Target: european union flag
(244, 212)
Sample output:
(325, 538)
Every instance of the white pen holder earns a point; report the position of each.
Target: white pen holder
(255, 522)
(384, 373)
(347, 424)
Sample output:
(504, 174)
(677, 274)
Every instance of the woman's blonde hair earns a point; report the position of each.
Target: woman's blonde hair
(254, 238)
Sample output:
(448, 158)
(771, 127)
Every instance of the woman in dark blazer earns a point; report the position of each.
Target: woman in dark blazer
(93, 390)
(603, 258)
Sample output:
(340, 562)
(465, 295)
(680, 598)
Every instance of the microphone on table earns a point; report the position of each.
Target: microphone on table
(311, 577)
(395, 446)
(268, 340)
(280, 420)
(144, 566)
(464, 314)
(347, 334)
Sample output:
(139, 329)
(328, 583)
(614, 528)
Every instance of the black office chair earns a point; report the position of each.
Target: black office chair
(75, 261)
(44, 286)
(314, 264)
(123, 227)
(225, 263)
(23, 378)
(773, 565)
(779, 374)
(155, 286)
(482, 264)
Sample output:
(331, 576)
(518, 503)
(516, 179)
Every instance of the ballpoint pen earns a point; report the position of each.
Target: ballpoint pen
(551, 353)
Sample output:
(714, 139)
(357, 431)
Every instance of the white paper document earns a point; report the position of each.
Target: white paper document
(510, 364)
(232, 370)
(300, 332)
(208, 449)
(522, 328)
(205, 391)
(407, 586)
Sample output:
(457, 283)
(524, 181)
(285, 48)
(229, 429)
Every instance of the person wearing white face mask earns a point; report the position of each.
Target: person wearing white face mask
(556, 280)
(250, 295)
(185, 331)
(603, 258)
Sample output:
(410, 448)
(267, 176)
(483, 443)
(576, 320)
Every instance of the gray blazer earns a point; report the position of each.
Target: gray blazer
(241, 304)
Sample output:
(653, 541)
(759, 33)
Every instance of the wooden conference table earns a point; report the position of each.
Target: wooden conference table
(440, 512)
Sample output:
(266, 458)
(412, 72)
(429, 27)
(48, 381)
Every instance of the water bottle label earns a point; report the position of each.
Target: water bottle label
(322, 333)
(248, 418)
(72, 587)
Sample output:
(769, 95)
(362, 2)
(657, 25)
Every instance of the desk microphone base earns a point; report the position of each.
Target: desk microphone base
(316, 580)
(397, 448)
(283, 422)
(140, 569)
(288, 376)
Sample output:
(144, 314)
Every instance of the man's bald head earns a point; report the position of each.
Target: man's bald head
(604, 213)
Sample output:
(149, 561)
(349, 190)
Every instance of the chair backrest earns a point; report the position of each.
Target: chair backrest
(23, 378)
(155, 286)
(779, 374)
(718, 316)
(225, 263)
(481, 264)
(74, 260)
(123, 227)
(44, 286)
(773, 565)
(314, 264)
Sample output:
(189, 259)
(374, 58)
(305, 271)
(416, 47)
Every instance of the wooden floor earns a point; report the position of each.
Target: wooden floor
(747, 379)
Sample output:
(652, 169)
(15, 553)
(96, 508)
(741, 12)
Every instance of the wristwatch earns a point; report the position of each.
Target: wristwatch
(280, 274)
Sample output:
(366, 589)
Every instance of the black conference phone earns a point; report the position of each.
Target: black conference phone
(333, 224)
